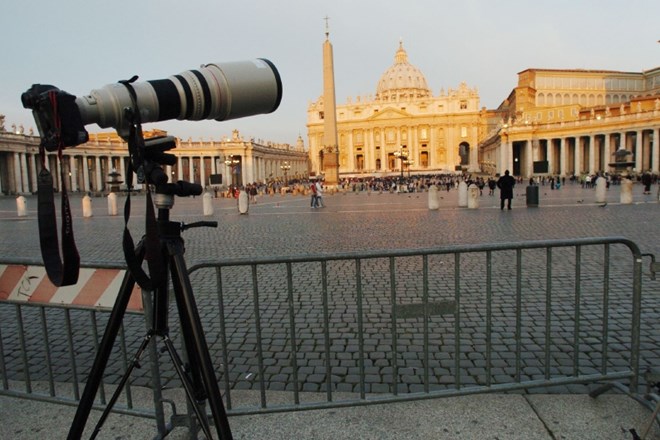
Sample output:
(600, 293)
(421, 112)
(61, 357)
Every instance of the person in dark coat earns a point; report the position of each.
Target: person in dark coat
(506, 184)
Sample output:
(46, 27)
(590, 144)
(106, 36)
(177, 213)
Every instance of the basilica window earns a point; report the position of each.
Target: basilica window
(463, 104)
(321, 115)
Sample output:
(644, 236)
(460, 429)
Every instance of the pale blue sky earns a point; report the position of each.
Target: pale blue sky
(80, 45)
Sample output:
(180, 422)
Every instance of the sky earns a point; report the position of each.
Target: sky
(81, 45)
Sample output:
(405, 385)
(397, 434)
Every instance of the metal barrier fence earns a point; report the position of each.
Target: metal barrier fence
(413, 324)
(333, 330)
(49, 336)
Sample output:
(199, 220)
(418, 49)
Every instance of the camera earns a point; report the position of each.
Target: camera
(219, 91)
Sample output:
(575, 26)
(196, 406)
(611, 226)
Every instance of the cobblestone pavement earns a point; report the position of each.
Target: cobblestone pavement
(286, 226)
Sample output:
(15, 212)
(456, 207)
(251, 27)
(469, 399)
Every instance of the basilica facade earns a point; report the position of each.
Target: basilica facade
(403, 126)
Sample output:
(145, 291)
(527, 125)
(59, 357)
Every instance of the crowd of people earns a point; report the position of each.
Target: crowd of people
(421, 183)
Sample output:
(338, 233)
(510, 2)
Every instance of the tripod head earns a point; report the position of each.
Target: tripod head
(154, 159)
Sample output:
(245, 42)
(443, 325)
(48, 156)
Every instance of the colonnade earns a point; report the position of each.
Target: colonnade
(87, 167)
(580, 154)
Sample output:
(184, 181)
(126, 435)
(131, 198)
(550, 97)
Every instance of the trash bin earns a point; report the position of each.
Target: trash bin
(532, 196)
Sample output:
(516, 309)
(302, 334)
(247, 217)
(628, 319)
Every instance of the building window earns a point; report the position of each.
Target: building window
(321, 115)
(463, 104)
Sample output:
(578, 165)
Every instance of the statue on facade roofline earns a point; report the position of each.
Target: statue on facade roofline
(2, 123)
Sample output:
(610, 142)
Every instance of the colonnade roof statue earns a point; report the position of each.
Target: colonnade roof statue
(402, 80)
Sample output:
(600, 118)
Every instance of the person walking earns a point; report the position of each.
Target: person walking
(315, 203)
(319, 195)
(506, 183)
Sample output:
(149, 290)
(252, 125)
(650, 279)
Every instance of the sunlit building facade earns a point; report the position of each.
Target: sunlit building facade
(570, 122)
(403, 125)
(87, 168)
(555, 122)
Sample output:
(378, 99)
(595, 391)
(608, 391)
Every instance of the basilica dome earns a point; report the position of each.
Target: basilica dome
(402, 81)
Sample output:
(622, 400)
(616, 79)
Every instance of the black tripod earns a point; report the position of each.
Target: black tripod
(199, 382)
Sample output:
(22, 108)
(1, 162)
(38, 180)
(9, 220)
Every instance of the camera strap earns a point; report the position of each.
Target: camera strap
(151, 240)
(62, 271)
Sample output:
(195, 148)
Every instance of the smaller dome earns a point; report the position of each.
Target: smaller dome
(402, 80)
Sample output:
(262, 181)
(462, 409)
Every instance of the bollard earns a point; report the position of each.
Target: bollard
(207, 204)
(243, 204)
(473, 197)
(532, 196)
(626, 191)
(601, 190)
(462, 195)
(112, 204)
(87, 206)
(21, 206)
(434, 202)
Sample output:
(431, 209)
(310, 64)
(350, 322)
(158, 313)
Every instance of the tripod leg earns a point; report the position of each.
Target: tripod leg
(120, 386)
(191, 323)
(101, 359)
(188, 387)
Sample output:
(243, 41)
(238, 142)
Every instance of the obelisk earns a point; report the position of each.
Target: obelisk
(330, 148)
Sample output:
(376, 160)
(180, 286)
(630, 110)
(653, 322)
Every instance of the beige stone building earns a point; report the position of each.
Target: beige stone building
(403, 125)
(555, 122)
(570, 122)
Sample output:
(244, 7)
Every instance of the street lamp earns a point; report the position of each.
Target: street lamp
(409, 163)
(232, 162)
(402, 155)
(285, 167)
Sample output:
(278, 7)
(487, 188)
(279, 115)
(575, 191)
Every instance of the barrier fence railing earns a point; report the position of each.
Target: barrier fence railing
(320, 331)
(49, 336)
(411, 324)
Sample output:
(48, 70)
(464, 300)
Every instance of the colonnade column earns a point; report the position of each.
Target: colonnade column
(639, 156)
(592, 154)
(502, 165)
(33, 174)
(550, 155)
(24, 173)
(578, 155)
(97, 165)
(655, 153)
(85, 172)
(202, 172)
(74, 173)
(528, 166)
(179, 168)
(608, 151)
(562, 156)
(18, 182)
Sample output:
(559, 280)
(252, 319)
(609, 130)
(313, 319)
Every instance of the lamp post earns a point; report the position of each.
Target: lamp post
(409, 163)
(402, 155)
(232, 162)
(285, 167)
